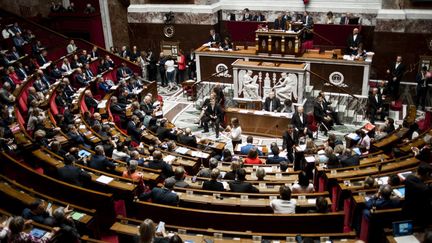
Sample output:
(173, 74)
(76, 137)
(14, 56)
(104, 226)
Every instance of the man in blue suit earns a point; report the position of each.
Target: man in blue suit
(275, 159)
(99, 160)
(163, 195)
(245, 149)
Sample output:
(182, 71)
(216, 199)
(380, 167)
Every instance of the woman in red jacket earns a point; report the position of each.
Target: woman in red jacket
(252, 157)
(181, 63)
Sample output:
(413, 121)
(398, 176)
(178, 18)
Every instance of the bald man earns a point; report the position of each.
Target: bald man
(300, 123)
(354, 42)
(186, 138)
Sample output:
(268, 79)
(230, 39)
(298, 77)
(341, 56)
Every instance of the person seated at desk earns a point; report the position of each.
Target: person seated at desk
(279, 23)
(299, 120)
(121, 152)
(240, 185)
(303, 185)
(213, 184)
(186, 138)
(252, 157)
(260, 174)
(227, 44)
(134, 129)
(364, 142)
(345, 19)
(259, 17)
(124, 72)
(275, 158)
(284, 205)
(349, 158)
(321, 206)
(247, 16)
(290, 140)
(205, 172)
(381, 200)
(214, 38)
(418, 194)
(72, 174)
(163, 195)
(38, 212)
(163, 132)
(329, 18)
(231, 175)
(100, 162)
(245, 149)
(159, 164)
(179, 176)
(272, 103)
(307, 20)
(287, 107)
(354, 41)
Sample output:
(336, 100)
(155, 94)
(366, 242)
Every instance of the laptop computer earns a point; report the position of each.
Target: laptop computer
(402, 228)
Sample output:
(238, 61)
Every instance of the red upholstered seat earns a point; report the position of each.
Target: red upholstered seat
(396, 105)
(83, 106)
(23, 105)
(425, 124)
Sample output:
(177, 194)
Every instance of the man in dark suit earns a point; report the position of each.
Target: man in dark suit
(382, 200)
(163, 195)
(247, 16)
(123, 72)
(299, 121)
(345, 19)
(72, 174)
(375, 105)
(147, 106)
(90, 102)
(84, 58)
(395, 72)
(80, 78)
(212, 113)
(349, 158)
(259, 17)
(117, 109)
(187, 138)
(239, 185)
(214, 37)
(422, 87)
(133, 128)
(418, 195)
(158, 164)
(290, 139)
(307, 20)
(42, 58)
(272, 103)
(354, 41)
(249, 145)
(163, 132)
(213, 184)
(321, 115)
(279, 23)
(100, 162)
(179, 176)
(124, 52)
(20, 71)
(275, 159)
(88, 72)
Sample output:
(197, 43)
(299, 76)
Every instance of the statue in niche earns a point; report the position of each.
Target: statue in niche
(286, 87)
(267, 80)
(249, 86)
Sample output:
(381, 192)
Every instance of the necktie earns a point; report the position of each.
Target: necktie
(271, 105)
(301, 117)
(376, 98)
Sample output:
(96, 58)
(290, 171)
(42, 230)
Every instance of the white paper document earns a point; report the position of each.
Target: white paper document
(104, 179)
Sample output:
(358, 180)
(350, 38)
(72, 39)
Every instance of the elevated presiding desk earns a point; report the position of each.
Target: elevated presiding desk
(260, 122)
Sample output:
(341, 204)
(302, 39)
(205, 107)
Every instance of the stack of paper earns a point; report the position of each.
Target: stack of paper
(169, 159)
(181, 150)
(104, 179)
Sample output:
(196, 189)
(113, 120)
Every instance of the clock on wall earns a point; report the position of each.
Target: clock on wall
(168, 31)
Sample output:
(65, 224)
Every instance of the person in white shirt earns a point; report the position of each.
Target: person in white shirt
(170, 72)
(71, 47)
(364, 142)
(284, 205)
(66, 67)
(120, 153)
(303, 185)
(235, 132)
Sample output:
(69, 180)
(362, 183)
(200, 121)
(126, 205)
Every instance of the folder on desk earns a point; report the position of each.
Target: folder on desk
(104, 179)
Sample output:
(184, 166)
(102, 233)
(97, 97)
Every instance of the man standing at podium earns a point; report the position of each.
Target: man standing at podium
(214, 37)
(354, 41)
(272, 103)
(300, 123)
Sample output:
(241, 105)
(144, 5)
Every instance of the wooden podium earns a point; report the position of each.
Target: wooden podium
(279, 42)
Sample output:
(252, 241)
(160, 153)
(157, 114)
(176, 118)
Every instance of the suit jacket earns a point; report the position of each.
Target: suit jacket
(276, 104)
(90, 102)
(290, 141)
(259, 18)
(350, 160)
(41, 60)
(343, 19)
(166, 169)
(245, 149)
(213, 186)
(242, 186)
(280, 24)
(81, 80)
(397, 72)
(164, 133)
(247, 18)
(216, 38)
(133, 131)
(420, 80)
(117, 109)
(295, 120)
(216, 111)
(39, 86)
(22, 74)
(356, 42)
(73, 175)
(187, 140)
(100, 162)
(84, 59)
(320, 111)
(373, 103)
(161, 196)
(147, 108)
(275, 159)
(308, 21)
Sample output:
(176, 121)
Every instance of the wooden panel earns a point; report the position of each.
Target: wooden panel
(353, 77)
(208, 66)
